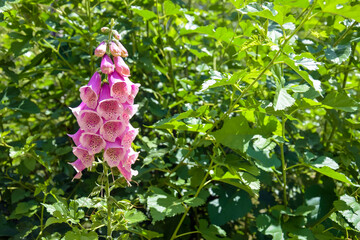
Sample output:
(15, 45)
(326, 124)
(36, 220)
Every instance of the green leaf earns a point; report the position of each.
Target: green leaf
(265, 162)
(146, 14)
(80, 235)
(283, 100)
(170, 8)
(163, 205)
(327, 171)
(210, 232)
(339, 54)
(231, 204)
(325, 161)
(341, 7)
(349, 209)
(269, 226)
(145, 233)
(293, 3)
(134, 216)
(340, 101)
(28, 107)
(266, 10)
(18, 194)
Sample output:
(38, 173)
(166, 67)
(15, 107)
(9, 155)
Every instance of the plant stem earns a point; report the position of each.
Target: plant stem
(283, 163)
(188, 233)
(108, 201)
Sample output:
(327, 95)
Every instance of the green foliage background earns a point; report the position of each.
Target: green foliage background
(248, 115)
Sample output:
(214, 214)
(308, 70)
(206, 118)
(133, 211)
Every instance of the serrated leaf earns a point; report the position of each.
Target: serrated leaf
(134, 216)
(327, 171)
(350, 209)
(343, 8)
(283, 100)
(210, 232)
(308, 63)
(325, 161)
(269, 226)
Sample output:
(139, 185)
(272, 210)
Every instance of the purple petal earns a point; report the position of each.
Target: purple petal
(112, 129)
(89, 121)
(120, 87)
(126, 171)
(129, 136)
(113, 154)
(109, 108)
(100, 50)
(82, 153)
(107, 65)
(78, 166)
(76, 137)
(78, 109)
(121, 67)
(131, 156)
(114, 49)
(94, 143)
(89, 94)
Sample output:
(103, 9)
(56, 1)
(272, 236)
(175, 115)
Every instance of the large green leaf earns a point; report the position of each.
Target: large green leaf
(341, 7)
(350, 209)
(340, 101)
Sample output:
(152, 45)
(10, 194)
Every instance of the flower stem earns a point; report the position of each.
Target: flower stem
(283, 163)
(108, 201)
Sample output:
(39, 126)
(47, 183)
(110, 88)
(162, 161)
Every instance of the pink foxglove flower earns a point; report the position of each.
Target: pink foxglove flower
(131, 156)
(112, 129)
(129, 111)
(78, 166)
(107, 65)
(94, 143)
(114, 153)
(76, 137)
(100, 50)
(121, 67)
(114, 49)
(116, 34)
(84, 156)
(120, 87)
(126, 171)
(109, 108)
(89, 94)
(129, 136)
(89, 121)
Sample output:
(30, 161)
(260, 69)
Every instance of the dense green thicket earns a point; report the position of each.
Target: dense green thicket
(248, 117)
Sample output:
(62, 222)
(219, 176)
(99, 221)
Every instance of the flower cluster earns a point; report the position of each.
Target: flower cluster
(104, 114)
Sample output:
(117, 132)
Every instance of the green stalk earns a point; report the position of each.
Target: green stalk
(283, 163)
(108, 201)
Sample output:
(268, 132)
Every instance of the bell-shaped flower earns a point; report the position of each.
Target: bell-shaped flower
(109, 108)
(121, 67)
(129, 111)
(107, 65)
(89, 94)
(76, 137)
(89, 121)
(131, 156)
(123, 51)
(129, 136)
(120, 87)
(78, 109)
(94, 143)
(114, 49)
(126, 171)
(134, 91)
(112, 129)
(114, 153)
(100, 50)
(78, 166)
(83, 154)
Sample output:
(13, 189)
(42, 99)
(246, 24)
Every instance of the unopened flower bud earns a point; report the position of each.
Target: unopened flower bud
(105, 29)
(116, 34)
(100, 50)
(114, 49)
(123, 51)
(107, 65)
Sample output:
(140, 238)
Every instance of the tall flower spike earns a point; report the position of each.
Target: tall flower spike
(129, 136)
(112, 129)
(100, 50)
(94, 143)
(120, 87)
(82, 153)
(121, 67)
(89, 94)
(89, 121)
(107, 65)
(78, 166)
(109, 108)
(113, 153)
(76, 137)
